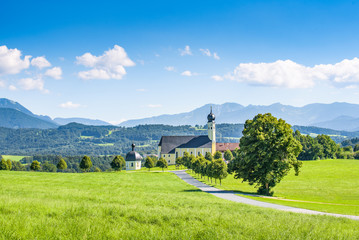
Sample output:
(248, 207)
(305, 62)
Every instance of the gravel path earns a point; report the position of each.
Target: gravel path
(229, 195)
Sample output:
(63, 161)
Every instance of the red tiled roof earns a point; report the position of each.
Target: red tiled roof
(224, 146)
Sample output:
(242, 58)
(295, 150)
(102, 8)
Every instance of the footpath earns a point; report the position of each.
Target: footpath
(231, 196)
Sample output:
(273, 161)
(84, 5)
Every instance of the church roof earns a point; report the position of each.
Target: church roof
(226, 146)
(133, 156)
(170, 143)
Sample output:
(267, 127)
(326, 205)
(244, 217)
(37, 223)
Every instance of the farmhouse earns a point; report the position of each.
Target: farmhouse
(171, 147)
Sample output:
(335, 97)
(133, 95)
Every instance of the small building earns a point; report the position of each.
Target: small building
(133, 159)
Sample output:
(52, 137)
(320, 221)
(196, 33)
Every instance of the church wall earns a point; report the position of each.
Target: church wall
(133, 165)
(170, 158)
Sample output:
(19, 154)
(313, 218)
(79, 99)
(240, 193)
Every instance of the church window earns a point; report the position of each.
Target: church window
(169, 161)
(191, 153)
(169, 155)
(198, 153)
(132, 164)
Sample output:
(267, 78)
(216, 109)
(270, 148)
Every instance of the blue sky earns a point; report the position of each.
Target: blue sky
(116, 60)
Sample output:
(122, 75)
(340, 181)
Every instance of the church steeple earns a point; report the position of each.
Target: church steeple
(211, 126)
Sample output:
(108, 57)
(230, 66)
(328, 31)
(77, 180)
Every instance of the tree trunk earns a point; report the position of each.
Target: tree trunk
(220, 182)
(267, 189)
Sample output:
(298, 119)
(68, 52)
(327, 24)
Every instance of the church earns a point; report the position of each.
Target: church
(172, 147)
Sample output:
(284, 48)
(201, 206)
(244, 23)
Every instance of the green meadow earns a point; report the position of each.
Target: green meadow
(324, 185)
(13, 157)
(142, 205)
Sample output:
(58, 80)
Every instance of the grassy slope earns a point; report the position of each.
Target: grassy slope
(327, 185)
(142, 205)
(13, 157)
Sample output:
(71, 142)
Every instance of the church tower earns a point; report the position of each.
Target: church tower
(212, 129)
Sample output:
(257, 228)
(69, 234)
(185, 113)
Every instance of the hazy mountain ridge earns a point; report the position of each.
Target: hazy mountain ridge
(86, 121)
(308, 115)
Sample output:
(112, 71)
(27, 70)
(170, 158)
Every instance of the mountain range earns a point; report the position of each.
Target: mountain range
(338, 116)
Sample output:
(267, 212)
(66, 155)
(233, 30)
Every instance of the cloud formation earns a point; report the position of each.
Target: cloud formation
(170, 68)
(70, 105)
(11, 61)
(32, 84)
(54, 72)
(40, 62)
(208, 53)
(293, 75)
(217, 78)
(187, 73)
(185, 51)
(110, 65)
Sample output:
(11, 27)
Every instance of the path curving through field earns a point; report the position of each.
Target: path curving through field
(229, 195)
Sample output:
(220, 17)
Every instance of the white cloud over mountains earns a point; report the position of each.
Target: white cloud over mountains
(11, 61)
(40, 62)
(32, 84)
(110, 65)
(70, 105)
(54, 72)
(290, 74)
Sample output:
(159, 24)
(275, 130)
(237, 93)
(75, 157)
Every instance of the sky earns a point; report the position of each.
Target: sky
(121, 60)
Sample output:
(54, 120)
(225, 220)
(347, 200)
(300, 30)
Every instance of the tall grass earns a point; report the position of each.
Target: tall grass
(142, 205)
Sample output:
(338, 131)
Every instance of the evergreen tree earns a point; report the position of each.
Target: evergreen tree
(35, 166)
(118, 163)
(179, 162)
(149, 163)
(85, 163)
(62, 165)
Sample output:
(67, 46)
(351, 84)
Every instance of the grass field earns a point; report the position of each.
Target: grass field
(142, 205)
(13, 157)
(325, 185)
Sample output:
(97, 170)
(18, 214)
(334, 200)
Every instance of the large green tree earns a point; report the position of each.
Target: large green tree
(149, 163)
(118, 163)
(48, 167)
(217, 155)
(208, 156)
(268, 151)
(85, 163)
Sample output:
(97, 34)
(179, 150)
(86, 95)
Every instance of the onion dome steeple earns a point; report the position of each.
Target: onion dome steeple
(211, 116)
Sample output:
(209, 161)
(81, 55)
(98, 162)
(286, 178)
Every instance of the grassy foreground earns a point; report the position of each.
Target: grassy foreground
(142, 205)
(325, 185)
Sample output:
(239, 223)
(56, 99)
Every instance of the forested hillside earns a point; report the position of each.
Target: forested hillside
(77, 139)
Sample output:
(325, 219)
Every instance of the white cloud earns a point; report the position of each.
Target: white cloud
(187, 73)
(2, 84)
(32, 84)
(12, 88)
(170, 68)
(185, 51)
(40, 62)
(11, 62)
(70, 105)
(206, 52)
(293, 75)
(154, 105)
(54, 72)
(141, 90)
(217, 78)
(110, 65)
